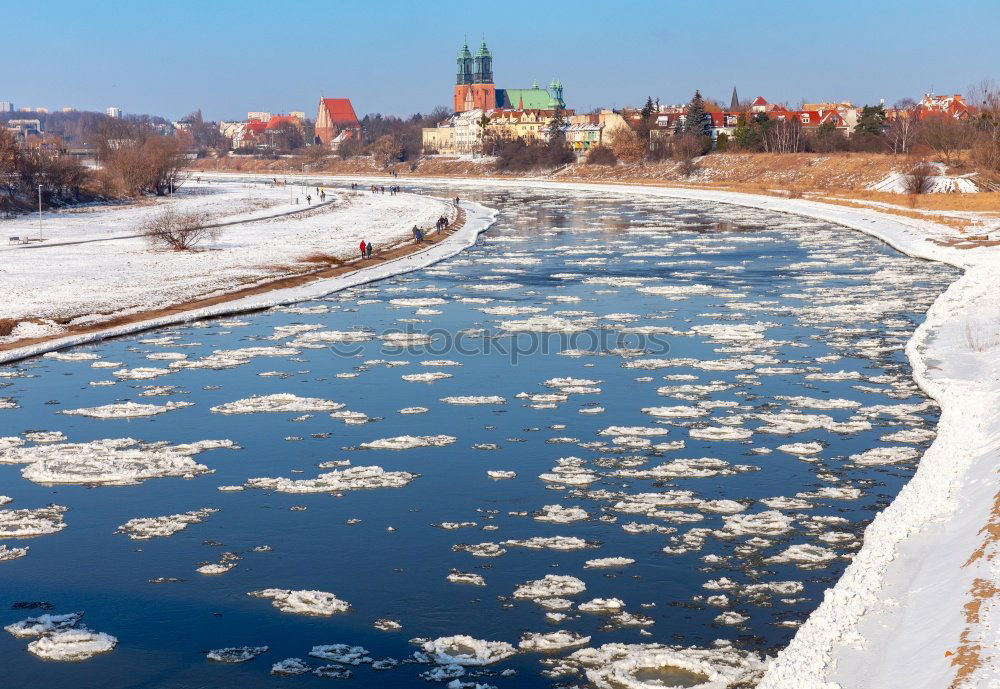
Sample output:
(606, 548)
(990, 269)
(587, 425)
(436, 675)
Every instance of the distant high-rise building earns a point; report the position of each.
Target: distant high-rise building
(6, 106)
(44, 111)
(264, 117)
(114, 113)
(69, 109)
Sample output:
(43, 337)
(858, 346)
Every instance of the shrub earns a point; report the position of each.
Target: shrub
(518, 155)
(177, 231)
(919, 180)
(602, 155)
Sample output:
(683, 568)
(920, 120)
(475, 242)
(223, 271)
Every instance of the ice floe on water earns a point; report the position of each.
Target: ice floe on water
(143, 528)
(408, 442)
(550, 586)
(547, 642)
(117, 461)
(28, 523)
(337, 481)
(43, 624)
(72, 645)
(237, 654)
(290, 667)
(126, 410)
(8, 553)
(280, 402)
(464, 650)
(474, 399)
(303, 602)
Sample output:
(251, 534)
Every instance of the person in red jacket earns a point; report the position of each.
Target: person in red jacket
(363, 247)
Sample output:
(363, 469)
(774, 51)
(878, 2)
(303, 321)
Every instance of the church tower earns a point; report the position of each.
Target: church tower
(483, 73)
(464, 65)
(474, 88)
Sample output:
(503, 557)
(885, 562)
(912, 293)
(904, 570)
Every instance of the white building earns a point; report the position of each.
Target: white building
(114, 113)
(264, 117)
(6, 106)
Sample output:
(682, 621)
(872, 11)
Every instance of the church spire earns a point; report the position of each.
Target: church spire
(734, 104)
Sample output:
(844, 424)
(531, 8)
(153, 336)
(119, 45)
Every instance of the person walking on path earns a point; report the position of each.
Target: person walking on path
(369, 249)
(309, 199)
(362, 248)
(456, 202)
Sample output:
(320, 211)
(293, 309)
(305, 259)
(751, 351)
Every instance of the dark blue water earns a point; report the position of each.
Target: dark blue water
(821, 290)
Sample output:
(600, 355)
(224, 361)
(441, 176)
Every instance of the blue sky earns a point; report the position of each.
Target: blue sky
(398, 56)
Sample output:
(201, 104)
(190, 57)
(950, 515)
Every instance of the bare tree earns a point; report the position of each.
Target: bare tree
(783, 136)
(138, 160)
(387, 150)
(920, 179)
(626, 145)
(685, 148)
(176, 231)
(901, 131)
(985, 97)
(945, 135)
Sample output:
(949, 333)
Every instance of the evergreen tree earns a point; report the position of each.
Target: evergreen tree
(871, 120)
(648, 108)
(694, 122)
(557, 137)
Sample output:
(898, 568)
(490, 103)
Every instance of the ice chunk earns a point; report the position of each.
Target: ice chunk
(119, 461)
(408, 442)
(72, 645)
(43, 624)
(465, 650)
(352, 478)
(27, 523)
(303, 602)
(608, 562)
(474, 399)
(142, 528)
(551, 641)
(126, 410)
(238, 654)
(290, 666)
(341, 653)
(280, 402)
(550, 586)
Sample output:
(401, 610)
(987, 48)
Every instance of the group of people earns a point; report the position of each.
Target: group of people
(367, 248)
(418, 234)
(441, 223)
(381, 189)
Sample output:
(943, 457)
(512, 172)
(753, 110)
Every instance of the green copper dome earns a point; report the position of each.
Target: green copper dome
(483, 50)
(464, 52)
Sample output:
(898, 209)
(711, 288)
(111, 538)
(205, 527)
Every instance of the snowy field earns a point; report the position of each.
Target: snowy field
(92, 268)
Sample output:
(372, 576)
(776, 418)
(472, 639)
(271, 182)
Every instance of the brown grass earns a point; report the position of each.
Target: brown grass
(7, 326)
(967, 657)
(323, 258)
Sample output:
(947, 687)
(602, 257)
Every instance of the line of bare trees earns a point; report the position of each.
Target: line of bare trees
(136, 159)
(29, 174)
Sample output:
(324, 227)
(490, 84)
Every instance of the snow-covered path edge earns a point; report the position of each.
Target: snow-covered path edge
(478, 219)
(967, 437)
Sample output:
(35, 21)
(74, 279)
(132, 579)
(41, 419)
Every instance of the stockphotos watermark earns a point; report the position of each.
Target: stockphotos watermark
(442, 343)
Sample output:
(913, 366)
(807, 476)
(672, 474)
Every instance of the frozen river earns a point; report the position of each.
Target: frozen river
(690, 412)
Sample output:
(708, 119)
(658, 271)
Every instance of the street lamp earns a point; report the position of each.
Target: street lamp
(39, 212)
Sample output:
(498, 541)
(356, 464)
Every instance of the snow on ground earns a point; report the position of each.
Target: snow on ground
(110, 273)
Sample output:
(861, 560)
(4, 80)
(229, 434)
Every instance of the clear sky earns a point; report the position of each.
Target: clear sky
(398, 56)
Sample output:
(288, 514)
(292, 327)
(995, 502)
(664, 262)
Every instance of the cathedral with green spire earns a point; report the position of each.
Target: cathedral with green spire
(475, 89)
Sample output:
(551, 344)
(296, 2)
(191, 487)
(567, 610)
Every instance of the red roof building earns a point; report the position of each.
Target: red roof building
(334, 116)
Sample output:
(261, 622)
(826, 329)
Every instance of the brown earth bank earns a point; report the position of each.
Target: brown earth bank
(842, 175)
(310, 269)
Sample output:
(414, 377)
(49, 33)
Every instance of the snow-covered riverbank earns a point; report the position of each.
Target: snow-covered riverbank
(93, 268)
(904, 614)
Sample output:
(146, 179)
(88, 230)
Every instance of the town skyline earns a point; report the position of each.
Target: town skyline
(394, 62)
